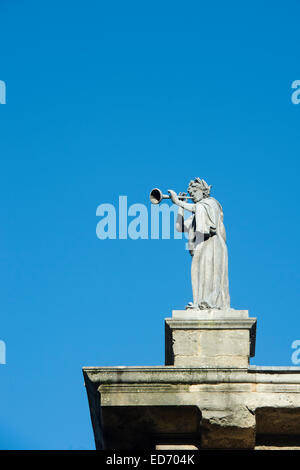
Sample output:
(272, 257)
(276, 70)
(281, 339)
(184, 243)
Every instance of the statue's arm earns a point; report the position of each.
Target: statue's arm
(184, 205)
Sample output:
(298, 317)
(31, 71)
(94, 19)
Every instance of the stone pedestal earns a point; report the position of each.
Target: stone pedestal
(209, 338)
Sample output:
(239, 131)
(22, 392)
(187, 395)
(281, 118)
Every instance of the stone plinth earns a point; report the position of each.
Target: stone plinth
(209, 338)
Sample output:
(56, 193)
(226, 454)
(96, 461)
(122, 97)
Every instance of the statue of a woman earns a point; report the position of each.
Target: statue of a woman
(207, 245)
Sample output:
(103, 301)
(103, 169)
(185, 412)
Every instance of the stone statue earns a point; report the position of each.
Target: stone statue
(207, 246)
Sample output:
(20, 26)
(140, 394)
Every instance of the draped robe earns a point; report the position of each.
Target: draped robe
(207, 245)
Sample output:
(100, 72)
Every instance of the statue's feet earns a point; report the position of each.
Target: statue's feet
(204, 306)
(191, 305)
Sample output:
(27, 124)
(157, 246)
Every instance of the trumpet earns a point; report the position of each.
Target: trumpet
(156, 196)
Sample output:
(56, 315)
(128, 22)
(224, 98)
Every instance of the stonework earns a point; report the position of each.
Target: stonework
(207, 397)
(194, 338)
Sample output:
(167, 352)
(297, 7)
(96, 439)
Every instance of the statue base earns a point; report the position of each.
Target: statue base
(209, 338)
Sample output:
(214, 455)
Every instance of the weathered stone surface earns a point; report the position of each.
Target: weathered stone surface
(229, 428)
(208, 361)
(142, 407)
(209, 314)
(255, 378)
(186, 343)
(224, 342)
(210, 399)
(144, 427)
(270, 418)
(209, 343)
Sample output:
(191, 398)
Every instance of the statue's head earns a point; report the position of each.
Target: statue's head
(198, 189)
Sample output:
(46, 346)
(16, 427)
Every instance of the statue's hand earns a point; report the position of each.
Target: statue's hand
(173, 196)
(181, 196)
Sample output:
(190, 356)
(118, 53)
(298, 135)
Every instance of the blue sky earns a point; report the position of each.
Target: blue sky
(113, 98)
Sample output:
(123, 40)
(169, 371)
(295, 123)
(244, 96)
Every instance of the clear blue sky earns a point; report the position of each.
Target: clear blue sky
(113, 98)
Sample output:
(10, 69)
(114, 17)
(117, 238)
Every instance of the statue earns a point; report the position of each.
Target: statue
(207, 245)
